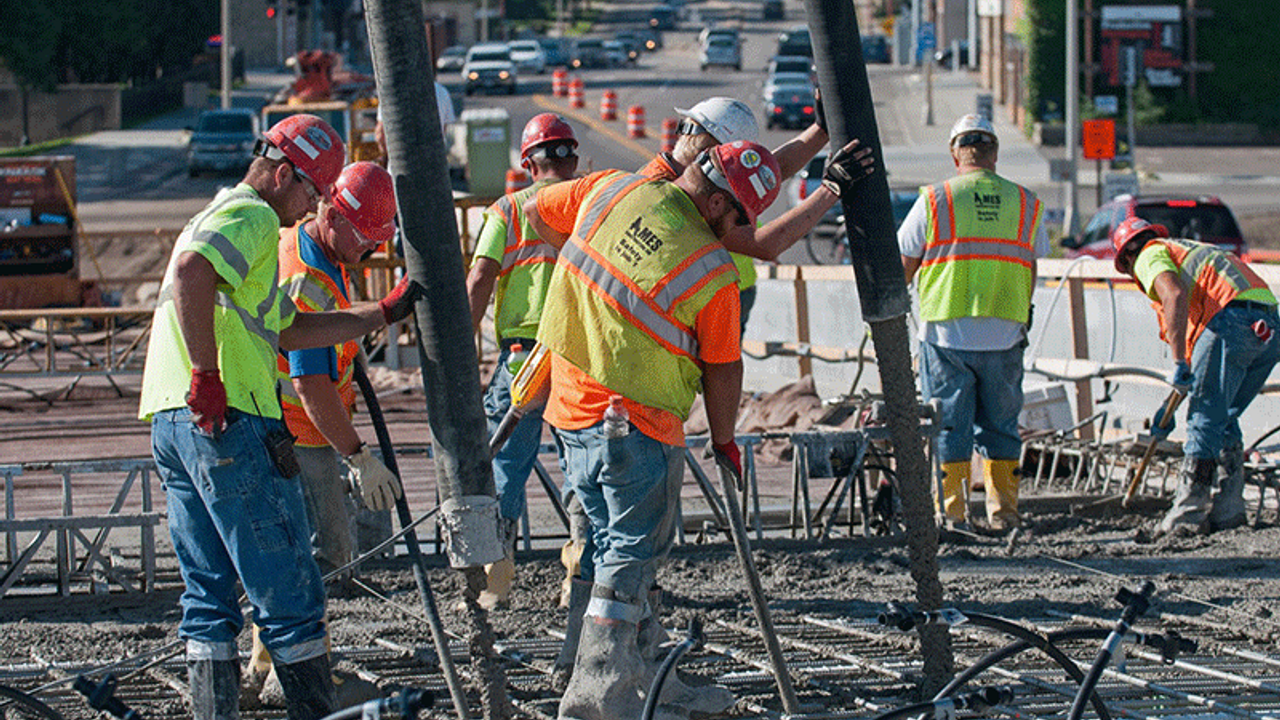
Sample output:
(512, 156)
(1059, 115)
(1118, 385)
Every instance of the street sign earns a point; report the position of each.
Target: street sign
(1099, 139)
(990, 8)
(1108, 104)
(1060, 170)
(928, 38)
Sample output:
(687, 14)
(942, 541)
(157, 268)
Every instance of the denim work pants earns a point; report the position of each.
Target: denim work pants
(514, 462)
(330, 509)
(630, 490)
(980, 392)
(233, 517)
(1230, 364)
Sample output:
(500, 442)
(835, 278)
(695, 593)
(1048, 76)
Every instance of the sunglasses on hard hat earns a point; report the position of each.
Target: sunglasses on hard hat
(265, 149)
(690, 127)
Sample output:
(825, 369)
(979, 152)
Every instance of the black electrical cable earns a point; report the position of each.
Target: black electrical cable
(692, 640)
(976, 700)
(1135, 604)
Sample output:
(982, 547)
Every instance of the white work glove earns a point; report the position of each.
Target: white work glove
(371, 480)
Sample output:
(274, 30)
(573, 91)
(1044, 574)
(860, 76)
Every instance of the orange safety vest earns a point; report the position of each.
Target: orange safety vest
(629, 284)
(1215, 277)
(312, 290)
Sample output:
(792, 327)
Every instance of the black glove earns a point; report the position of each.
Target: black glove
(846, 167)
(820, 115)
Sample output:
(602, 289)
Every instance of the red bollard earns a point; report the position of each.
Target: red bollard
(609, 105)
(635, 121)
(577, 93)
(560, 82)
(670, 127)
(517, 180)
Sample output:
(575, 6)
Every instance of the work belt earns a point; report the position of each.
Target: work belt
(526, 343)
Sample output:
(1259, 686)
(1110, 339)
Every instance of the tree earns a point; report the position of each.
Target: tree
(28, 43)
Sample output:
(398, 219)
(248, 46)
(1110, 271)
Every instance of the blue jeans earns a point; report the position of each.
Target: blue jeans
(630, 490)
(233, 517)
(980, 392)
(1230, 364)
(514, 462)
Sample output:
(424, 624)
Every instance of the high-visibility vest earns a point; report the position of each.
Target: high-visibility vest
(979, 249)
(640, 265)
(526, 264)
(1213, 277)
(312, 290)
(239, 234)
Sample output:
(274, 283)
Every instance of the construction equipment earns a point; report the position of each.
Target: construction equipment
(39, 235)
(529, 391)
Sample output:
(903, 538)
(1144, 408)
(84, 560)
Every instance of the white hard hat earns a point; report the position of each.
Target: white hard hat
(973, 124)
(725, 118)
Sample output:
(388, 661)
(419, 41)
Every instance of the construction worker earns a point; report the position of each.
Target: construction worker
(510, 257)
(1219, 319)
(974, 240)
(236, 515)
(641, 315)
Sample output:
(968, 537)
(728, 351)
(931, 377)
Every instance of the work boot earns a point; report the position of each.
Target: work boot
(1228, 511)
(574, 547)
(308, 688)
(1002, 494)
(579, 596)
(710, 699)
(606, 673)
(215, 689)
(1191, 502)
(954, 501)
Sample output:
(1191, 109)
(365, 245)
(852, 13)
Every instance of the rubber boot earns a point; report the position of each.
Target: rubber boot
(579, 596)
(1191, 502)
(954, 502)
(652, 639)
(255, 675)
(1002, 494)
(571, 552)
(215, 689)
(308, 688)
(1228, 511)
(606, 673)
(498, 578)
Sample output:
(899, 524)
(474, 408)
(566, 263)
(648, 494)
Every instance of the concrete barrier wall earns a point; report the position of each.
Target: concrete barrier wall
(72, 110)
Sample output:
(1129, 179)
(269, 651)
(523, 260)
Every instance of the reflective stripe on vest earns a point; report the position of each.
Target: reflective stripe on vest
(974, 243)
(1212, 277)
(517, 251)
(254, 322)
(315, 291)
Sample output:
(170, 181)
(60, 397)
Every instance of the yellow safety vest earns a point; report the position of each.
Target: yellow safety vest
(979, 249)
(640, 265)
(312, 290)
(525, 270)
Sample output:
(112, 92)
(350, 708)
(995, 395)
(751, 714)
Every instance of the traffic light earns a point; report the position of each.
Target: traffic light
(271, 9)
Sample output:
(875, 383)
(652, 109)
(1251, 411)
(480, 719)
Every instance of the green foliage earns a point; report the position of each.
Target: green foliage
(45, 42)
(1245, 82)
(522, 11)
(1043, 31)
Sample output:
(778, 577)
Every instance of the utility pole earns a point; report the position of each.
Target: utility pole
(224, 55)
(1071, 136)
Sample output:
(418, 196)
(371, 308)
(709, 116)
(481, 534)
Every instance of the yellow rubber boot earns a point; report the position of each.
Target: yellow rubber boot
(1002, 493)
(259, 658)
(497, 591)
(955, 486)
(571, 558)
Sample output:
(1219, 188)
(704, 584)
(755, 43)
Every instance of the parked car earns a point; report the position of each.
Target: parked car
(528, 56)
(772, 10)
(789, 107)
(795, 42)
(588, 53)
(875, 49)
(1205, 218)
(222, 140)
(489, 67)
(451, 59)
(557, 51)
(789, 64)
(777, 81)
(721, 50)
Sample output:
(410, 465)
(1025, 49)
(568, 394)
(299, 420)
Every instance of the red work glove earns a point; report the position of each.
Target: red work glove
(398, 303)
(207, 399)
(729, 457)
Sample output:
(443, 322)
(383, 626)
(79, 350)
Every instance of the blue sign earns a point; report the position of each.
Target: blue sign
(928, 39)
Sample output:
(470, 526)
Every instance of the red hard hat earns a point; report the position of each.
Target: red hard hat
(365, 196)
(542, 129)
(1128, 230)
(746, 169)
(313, 147)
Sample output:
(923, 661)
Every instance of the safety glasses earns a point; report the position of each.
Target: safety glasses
(689, 127)
(717, 178)
(313, 193)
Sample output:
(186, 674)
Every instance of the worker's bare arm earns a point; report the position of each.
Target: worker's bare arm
(722, 389)
(195, 287)
(480, 282)
(1173, 306)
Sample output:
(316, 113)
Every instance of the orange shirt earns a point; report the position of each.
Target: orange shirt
(660, 167)
(577, 401)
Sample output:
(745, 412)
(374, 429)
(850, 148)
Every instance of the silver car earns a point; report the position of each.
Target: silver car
(222, 141)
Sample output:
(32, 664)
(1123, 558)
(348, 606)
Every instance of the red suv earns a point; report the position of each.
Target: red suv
(1205, 219)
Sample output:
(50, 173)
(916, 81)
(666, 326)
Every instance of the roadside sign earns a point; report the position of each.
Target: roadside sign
(1109, 104)
(1099, 139)
(1059, 170)
(928, 38)
(983, 105)
(1116, 184)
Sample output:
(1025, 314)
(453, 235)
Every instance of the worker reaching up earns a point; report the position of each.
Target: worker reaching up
(513, 260)
(1219, 319)
(974, 240)
(236, 515)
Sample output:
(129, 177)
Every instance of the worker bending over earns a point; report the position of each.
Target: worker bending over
(1219, 319)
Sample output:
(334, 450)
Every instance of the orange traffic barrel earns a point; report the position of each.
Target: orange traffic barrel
(670, 126)
(560, 82)
(577, 94)
(517, 180)
(609, 105)
(635, 121)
